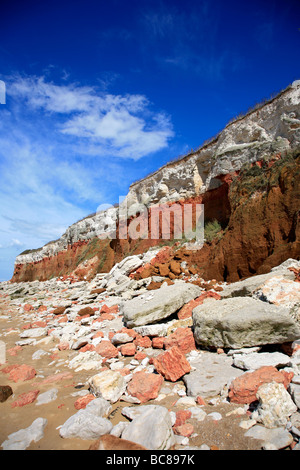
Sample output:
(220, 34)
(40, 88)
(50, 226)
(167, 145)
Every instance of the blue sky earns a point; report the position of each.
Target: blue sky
(101, 93)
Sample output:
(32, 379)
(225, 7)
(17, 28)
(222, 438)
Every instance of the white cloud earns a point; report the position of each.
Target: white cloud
(122, 126)
(16, 243)
(57, 144)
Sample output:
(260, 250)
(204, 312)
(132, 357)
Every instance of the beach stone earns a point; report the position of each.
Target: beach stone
(210, 374)
(128, 349)
(22, 373)
(275, 405)
(242, 321)
(145, 386)
(5, 392)
(243, 389)
(157, 304)
(81, 402)
(295, 393)
(278, 437)
(99, 407)
(47, 397)
(85, 425)
(22, 439)
(158, 342)
(121, 338)
(183, 338)
(59, 310)
(25, 398)
(172, 364)
(34, 332)
(107, 349)
(108, 384)
(85, 361)
(157, 434)
(185, 429)
(142, 341)
(86, 311)
(256, 360)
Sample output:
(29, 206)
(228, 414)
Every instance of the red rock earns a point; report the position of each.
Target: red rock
(81, 402)
(8, 369)
(164, 269)
(143, 341)
(128, 349)
(25, 398)
(28, 307)
(63, 319)
(106, 309)
(185, 429)
(243, 389)
(57, 377)
(290, 348)
(175, 267)
(158, 342)
(183, 338)
(21, 373)
(14, 351)
(162, 256)
(187, 310)
(182, 416)
(87, 347)
(140, 356)
(172, 364)
(145, 386)
(89, 311)
(99, 334)
(200, 401)
(128, 331)
(107, 349)
(59, 310)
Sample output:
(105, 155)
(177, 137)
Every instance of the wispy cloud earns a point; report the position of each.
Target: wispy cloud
(120, 126)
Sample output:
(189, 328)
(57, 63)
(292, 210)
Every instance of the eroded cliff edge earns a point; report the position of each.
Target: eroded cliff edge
(247, 177)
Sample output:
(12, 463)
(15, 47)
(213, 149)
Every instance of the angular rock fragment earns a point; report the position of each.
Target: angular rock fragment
(151, 429)
(238, 322)
(172, 364)
(145, 386)
(156, 305)
(85, 425)
(243, 389)
(183, 338)
(275, 405)
(22, 439)
(108, 384)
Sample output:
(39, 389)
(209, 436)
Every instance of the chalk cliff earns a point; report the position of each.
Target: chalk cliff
(247, 177)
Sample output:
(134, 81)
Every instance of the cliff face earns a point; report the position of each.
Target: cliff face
(247, 178)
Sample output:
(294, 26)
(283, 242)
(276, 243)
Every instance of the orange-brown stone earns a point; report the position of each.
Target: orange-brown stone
(172, 364)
